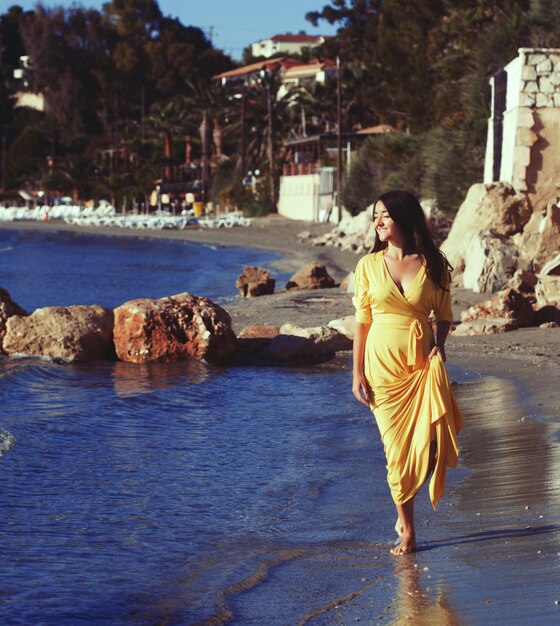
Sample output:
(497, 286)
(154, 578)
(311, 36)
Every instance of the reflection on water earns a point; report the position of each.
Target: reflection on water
(418, 603)
(131, 379)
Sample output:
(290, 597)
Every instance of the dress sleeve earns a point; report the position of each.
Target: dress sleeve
(443, 311)
(361, 299)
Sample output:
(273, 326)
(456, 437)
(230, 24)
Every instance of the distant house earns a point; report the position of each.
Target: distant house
(292, 73)
(307, 74)
(308, 182)
(249, 73)
(24, 96)
(288, 43)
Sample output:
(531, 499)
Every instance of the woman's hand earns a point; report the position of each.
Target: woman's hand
(360, 389)
(437, 350)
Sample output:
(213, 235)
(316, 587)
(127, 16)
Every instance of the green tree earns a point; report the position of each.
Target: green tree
(166, 119)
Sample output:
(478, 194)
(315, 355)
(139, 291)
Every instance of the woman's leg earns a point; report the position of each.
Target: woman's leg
(432, 464)
(408, 537)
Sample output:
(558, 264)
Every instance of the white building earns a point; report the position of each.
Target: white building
(288, 43)
(523, 144)
(306, 75)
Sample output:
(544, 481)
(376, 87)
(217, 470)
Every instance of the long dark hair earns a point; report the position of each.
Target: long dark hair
(406, 212)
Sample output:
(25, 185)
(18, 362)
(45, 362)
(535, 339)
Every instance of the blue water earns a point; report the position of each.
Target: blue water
(155, 494)
(48, 269)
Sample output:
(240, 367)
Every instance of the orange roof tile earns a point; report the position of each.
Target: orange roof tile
(256, 67)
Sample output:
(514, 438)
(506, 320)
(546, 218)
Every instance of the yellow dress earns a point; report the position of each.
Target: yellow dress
(412, 400)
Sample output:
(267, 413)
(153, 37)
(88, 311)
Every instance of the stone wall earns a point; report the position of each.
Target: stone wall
(529, 155)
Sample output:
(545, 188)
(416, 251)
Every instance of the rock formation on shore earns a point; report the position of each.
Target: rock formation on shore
(178, 327)
(312, 276)
(357, 233)
(496, 233)
(73, 333)
(295, 343)
(255, 281)
(8, 308)
(547, 289)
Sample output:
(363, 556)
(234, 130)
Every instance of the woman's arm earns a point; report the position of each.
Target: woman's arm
(360, 388)
(442, 330)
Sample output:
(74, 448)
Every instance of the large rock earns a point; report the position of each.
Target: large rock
(540, 240)
(547, 289)
(302, 344)
(506, 310)
(489, 263)
(347, 283)
(73, 333)
(312, 276)
(352, 233)
(489, 212)
(255, 338)
(255, 281)
(8, 308)
(175, 328)
(345, 325)
(490, 326)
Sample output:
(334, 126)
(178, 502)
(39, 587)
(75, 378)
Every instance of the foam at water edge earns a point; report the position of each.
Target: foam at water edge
(7, 441)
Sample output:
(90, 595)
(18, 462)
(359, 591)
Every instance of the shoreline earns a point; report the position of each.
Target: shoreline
(514, 355)
(496, 529)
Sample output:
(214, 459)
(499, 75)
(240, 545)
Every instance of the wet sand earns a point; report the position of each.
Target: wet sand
(490, 554)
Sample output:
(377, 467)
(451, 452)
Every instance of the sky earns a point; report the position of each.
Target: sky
(231, 24)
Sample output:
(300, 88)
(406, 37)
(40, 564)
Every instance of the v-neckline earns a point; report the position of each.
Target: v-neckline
(404, 291)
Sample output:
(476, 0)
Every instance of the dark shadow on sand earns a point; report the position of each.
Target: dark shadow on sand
(491, 535)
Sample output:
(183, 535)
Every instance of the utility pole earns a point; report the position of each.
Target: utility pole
(267, 75)
(338, 138)
(243, 121)
(4, 161)
(204, 135)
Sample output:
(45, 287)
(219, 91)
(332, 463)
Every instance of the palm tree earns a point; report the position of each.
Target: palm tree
(270, 119)
(167, 119)
(210, 108)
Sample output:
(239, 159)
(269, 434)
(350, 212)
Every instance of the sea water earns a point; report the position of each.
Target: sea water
(159, 494)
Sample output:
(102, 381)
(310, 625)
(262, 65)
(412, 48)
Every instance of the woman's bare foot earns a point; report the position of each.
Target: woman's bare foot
(399, 527)
(406, 546)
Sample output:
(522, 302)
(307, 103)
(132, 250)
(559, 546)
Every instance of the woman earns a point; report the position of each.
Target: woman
(398, 364)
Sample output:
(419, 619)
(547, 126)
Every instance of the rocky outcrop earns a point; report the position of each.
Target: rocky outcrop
(352, 233)
(73, 333)
(312, 276)
(540, 240)
(347, 283)
(547, 289)
(178, 327)
(345, 325)
(478, 246)
(255, 281)
(255, 338)
(305, 344)
(489, 263)
(357, 233)
(506, 310)
(8, 308)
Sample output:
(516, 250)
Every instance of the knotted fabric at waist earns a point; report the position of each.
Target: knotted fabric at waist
(416, 327)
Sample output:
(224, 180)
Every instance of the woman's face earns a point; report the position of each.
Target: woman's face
(385, 227)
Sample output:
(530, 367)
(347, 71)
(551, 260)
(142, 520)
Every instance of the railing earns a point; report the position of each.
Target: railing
(299, 169)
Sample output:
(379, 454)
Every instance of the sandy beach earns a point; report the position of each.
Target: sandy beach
(490, 553)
